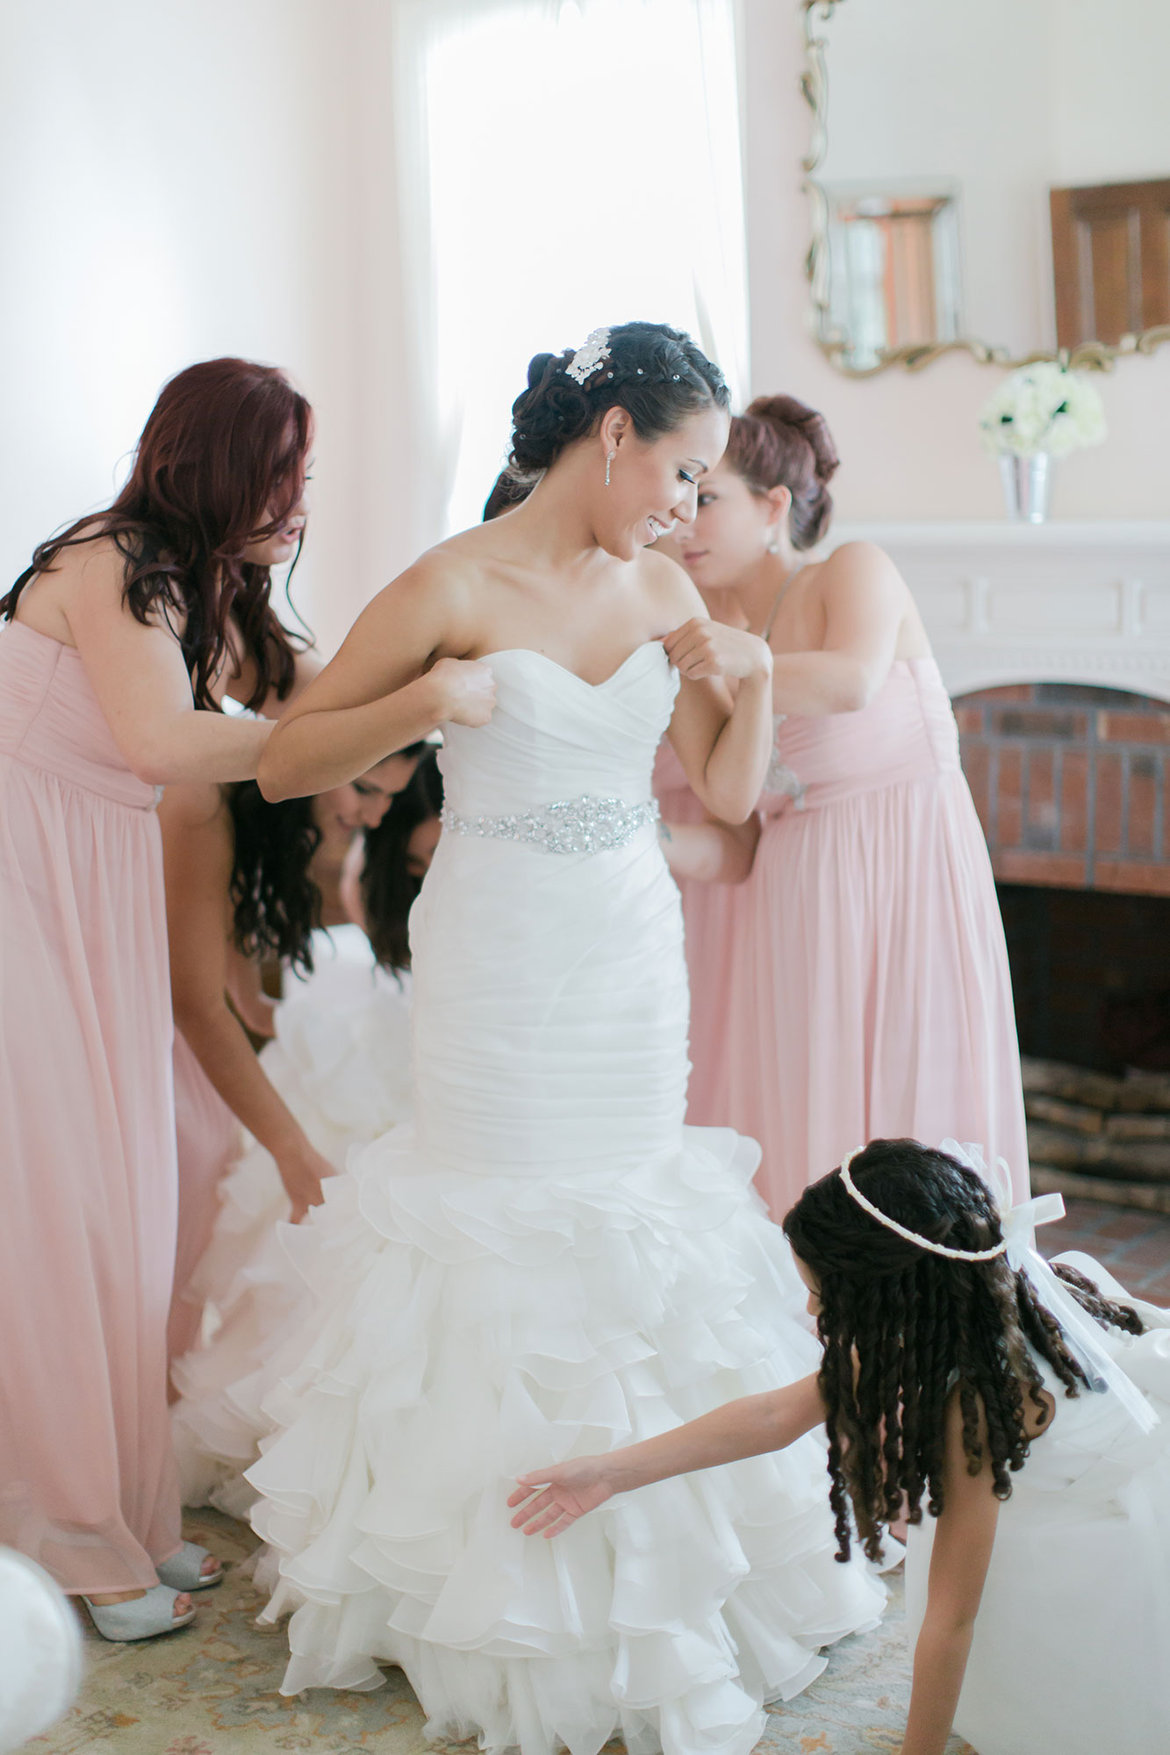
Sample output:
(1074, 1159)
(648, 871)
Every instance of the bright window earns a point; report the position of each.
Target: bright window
(582, 166)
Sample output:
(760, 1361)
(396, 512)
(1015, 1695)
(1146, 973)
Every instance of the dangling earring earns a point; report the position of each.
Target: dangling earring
(608, 463)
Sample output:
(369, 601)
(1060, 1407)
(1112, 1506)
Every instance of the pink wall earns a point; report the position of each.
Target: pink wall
(908, 440)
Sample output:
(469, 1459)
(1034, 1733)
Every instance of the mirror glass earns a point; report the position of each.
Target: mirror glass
(994, 175)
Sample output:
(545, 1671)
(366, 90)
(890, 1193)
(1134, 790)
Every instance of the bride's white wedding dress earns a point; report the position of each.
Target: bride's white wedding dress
(545, 1263)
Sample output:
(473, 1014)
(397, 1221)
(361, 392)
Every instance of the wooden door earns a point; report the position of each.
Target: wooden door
(1110, 260)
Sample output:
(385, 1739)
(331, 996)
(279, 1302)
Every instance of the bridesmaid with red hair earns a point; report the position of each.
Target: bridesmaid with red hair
(857, 986)
(117, 644)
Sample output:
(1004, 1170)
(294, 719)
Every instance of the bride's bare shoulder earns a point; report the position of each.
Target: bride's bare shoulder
(669, 588)
(435, 595)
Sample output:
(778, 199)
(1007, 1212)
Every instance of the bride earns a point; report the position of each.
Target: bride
(546, 1262)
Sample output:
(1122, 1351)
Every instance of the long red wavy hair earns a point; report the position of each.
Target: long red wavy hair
(221, 461)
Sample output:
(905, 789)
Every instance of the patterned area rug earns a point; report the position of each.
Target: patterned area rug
(211, 1689)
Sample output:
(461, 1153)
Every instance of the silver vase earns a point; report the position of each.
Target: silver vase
(1026, 482)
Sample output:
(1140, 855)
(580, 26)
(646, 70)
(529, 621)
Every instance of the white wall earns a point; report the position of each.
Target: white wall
(179, 186)
(908, 440)
(1111, 120)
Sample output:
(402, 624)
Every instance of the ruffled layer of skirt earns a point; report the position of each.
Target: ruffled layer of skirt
(341, 1062)
(461, 1329)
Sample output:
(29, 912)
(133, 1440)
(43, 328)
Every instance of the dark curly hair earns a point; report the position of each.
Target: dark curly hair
(780, 442)
(508, 490)
(275, 903)
(221, 461)
(901, 1327)
(389, 887)
(656, 374)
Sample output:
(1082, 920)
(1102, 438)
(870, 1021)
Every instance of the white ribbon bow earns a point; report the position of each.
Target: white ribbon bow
(1083, 1337)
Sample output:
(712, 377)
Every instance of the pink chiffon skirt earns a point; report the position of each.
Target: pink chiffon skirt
(871, 995)
(209, 1141)
(87, 1137)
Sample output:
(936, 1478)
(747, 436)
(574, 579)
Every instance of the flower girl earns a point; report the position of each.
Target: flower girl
(961, 1376)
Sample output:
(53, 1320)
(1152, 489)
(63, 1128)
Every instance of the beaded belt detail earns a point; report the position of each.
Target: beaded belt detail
(573, 825)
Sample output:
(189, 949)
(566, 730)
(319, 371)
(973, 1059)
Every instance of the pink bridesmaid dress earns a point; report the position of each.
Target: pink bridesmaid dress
(209, 1140)
(87, 1137)
(871, 992)
(711, 913)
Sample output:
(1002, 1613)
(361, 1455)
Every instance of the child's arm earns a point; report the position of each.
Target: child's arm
(963, 1540)
(711, 852)
(558, 1495)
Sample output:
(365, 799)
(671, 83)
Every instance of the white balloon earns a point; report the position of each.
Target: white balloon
(40, 1651)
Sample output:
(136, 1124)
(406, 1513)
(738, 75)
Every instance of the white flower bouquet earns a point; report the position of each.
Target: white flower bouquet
(1042, 408)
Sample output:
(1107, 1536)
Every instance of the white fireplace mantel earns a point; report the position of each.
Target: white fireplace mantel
(1061, 602)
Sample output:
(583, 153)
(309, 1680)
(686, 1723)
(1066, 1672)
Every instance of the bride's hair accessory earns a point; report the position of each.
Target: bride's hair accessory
(915, 1237)
(653, 372)
(590, 358)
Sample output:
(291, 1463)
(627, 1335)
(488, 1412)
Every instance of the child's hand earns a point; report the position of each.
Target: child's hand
(557, 1496)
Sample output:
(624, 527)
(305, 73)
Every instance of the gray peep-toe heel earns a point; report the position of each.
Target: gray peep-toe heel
(143, 1617)
(182, 1572)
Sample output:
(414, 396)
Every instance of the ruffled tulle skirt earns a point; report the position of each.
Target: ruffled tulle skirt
(341, 1062)
(465, 1328)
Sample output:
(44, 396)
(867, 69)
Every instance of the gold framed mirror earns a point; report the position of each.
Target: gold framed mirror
(999, 172)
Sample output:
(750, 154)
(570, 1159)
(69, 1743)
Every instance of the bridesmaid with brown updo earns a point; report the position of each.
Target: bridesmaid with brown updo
(857, 985)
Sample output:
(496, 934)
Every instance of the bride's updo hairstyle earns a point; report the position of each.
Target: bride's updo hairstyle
(900, 1326)
(780, 442)
(656, 374)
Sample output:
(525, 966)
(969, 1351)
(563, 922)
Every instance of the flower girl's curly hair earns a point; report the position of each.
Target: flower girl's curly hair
(901, 1327)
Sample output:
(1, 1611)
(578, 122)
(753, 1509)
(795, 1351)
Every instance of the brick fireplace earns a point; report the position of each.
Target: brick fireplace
(1069, 782)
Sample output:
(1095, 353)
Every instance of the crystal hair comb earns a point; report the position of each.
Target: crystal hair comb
(589, 359)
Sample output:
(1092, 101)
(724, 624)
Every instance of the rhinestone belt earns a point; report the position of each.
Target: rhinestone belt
(573, 825)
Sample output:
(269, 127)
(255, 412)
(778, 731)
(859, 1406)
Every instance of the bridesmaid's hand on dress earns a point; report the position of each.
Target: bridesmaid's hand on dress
(465, 691)
(557, 1496)
(706, 648)
(302, 1171)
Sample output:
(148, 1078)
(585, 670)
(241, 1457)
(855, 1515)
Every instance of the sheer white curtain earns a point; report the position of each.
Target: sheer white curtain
(564, 164)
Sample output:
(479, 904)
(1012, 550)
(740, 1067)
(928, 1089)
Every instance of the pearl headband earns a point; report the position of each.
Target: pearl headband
(1081, 1335)
(912, 1236)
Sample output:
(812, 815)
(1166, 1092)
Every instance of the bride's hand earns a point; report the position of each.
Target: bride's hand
(465, 691)
(707, 648)
(557, 1496)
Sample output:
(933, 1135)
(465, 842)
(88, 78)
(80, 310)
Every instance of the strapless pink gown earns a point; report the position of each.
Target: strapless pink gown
(209, 1140)
(87, 1137)
(871, 993)
(711, 913)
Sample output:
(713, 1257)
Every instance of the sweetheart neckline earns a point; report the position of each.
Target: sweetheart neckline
(511, 651)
